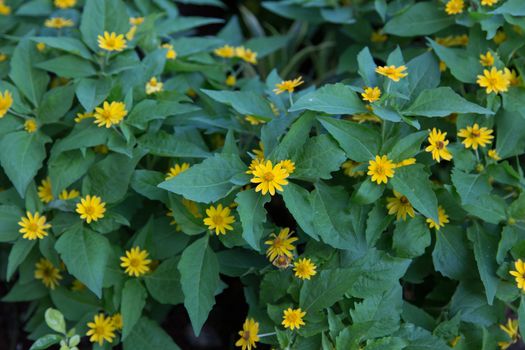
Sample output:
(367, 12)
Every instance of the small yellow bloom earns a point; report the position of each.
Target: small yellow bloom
(511, 329)
(91, 208)
(381, 169)
(64, 4)
(489, 2)
(371, 94)
(512, 77)
(254, 120)
(400, 206)
(438, 145)
(131, 33)
(378, 37)
(135, 262)
(492, 153)
(153, 86)
(171, 54)
(65, 195)
(219, 219)
(259, 152)
(366, 117)
(77, 286)
(288, 166)
(293, 318)
(101, 149)
(192, 207)
(519, 274)
(58, 23)
(282, 262)
(49, 274)
(30, 125)
(5, 10)
(405, 162)
(33, 226)
(454, 7)
(231, 80)
(136, 21)
(269, 178)
(349, 169)
(486, 60)
(176, 170)
(81, 116)
(112, 42)
(246, 55)
(476, 136)
(304, 269)
(110, 114)
(3, 57)
(101, 329)
(116, 319)
(280, 244)
(453, 40)
(392, 72)
(442, 66)
(442, 217)
(249, 335)
(254, 163)
(500, 37)
(6, 101)
(287, 85)
(45, 192)
(225, 51)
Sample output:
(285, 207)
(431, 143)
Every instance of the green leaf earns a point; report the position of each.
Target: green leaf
(68, 167)
(451, 255)
(148, 110)
(367, 192)
(510, 141)
(430, 103)
(411, 237)
(92, 92)
(170, 145)
(320, 156)
(55, 104)
(68, 66)
(412, 181)
(252, 215)
(470, 186)
(422, 18)
(199, 271)
(490, 208)
(367, 67)
(408, 146)
(243, 102)
(292, 142)
(267, 44)
(9, 217)
(360, 142)
(424, 73)
(64, 43)
(331, 99)
(297, 200)
(462, 64)
(133, 301)
(210, 180)
(55, 320)
(148, 334)
(164, 283)
(46, 341)
(511, 7)
(18, 254)
(470, 302)
(145, 182)
(21, 156)
(83, 135)
(85, 254)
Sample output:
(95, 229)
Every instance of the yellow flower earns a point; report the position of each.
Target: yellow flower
(136, 21)
(489, 2)
(116, 319)
(281, 244)
(378, 37)
(171, 54)
(512, 331)
(64, 4)
(442, 66)
(494, 80)
(226, 51)
(287, 165)
(349, 169)
(77, 286)
(131, 33)
(454, 7)
(293, 318)
(135, 262)
(259, 153)
(400, 206)
(5, 10)
(486, 60)
(153, 86)
(81, 116)
(254, 120)
(91, 208)
(512, 77)
(110, 114)
(304, 269)
(45, 192)
(519, 274)
(381, 169)
(438, 145)
(112, 42)
(269, 178)
(500, 37)
(255, 162)
(231, 80)
(454, 341)
(392, 72)
(476, 136)
(246, 55)
(492, 153)
(192, 207)
(101, 149)
(282, 262)
(3, 57)
(287, 85)
(101, 329)
(176, 170)
(249, 335)
(405, 162)
(366, 117)
(456, 40)
(49, 274)
(58, 22)
(65, 195)
(33, 226)
(30, 125)
(371, 94)
(219, 219)
(442, 217)
(40, 47)
(6, 100)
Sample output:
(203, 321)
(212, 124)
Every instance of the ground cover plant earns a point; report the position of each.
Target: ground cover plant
(349, 173)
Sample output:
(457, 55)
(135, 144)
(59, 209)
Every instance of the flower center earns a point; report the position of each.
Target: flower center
(475, 134)
(246, 335)
(100, 330)
(440, 145)
(33, 227)
(379, 170)
(133, 262)
(89, 210)
(268, 176)
(403, 200)
(111, 42)
(47, 273)
(217, 220)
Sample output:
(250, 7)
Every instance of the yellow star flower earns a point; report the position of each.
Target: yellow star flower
(293, 319)
(171, 54)
(454, 7)
(91, 208)
(259, 152)
(500, 37)
(371, 94)
(269, 178)
(438, 145)
(110, 114)
(249, 335)
(492, 153)
(486, 60)
(254, 120)
(287, 165)
(519, 274)
(192, 207)
(392, 72)
(112, 42)
(246, 55)
(493, 81)
(442, 217)
(33, 226)
(476, 136)
(49, 274)
(30, 125)
(231, 80)
(65, 195)
(378, 36)
(255, 162)
(130, 35)
(135, 262)
(453, 40)
(281, 244)
(489, 2)
(304, 269)
(225, 51)
(136, 21)
(58, 23)
(405, 162)
(64, 4)
(101, 329)
(381, 169)
(512, 77)
(349, 169)
(176, 170)
(219, 219)
(77, 286)
(81, 116)
(6, 100)
(5, 10)
(400, 206)
(153, 86)
(287, 85)
(512, 331)
(116, 319)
